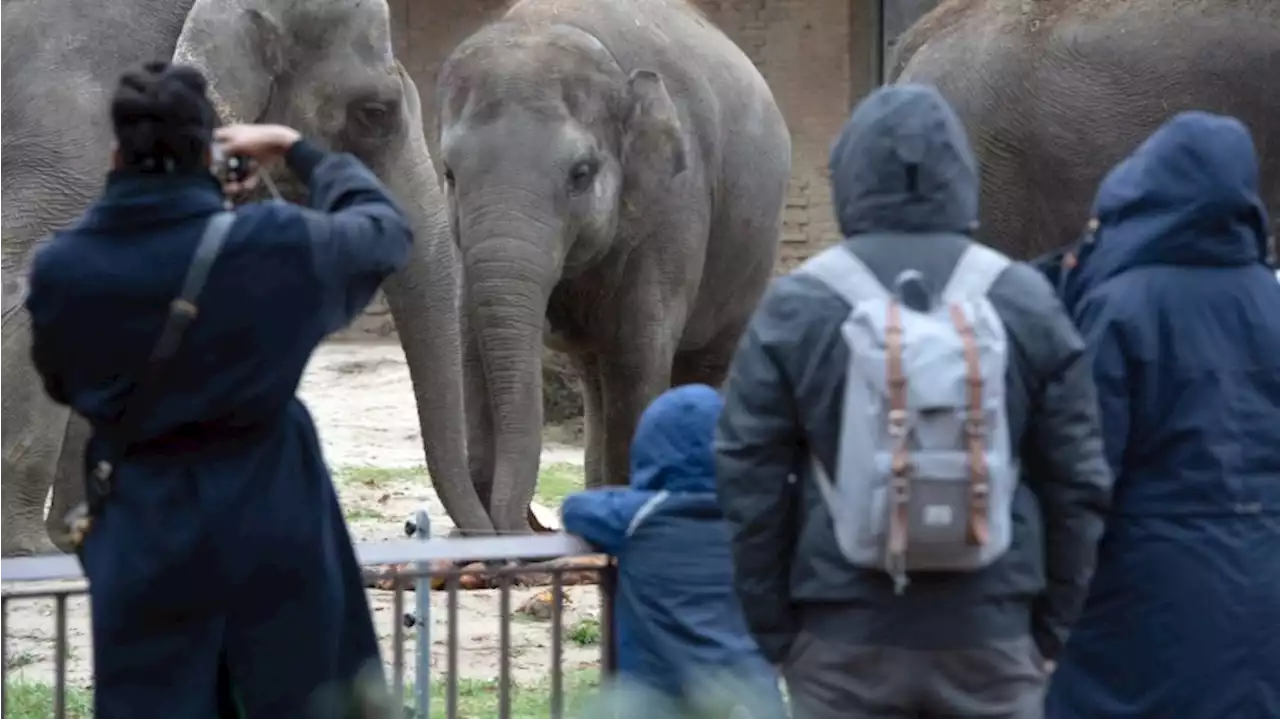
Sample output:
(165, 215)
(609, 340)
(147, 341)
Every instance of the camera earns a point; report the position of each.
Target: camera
(230, 168)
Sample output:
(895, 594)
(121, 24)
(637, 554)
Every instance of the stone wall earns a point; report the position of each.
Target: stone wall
(812, 52)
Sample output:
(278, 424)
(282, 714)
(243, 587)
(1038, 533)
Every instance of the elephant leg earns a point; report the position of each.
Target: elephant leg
(631, 378)
(707, 366)
(33, 429)
(479, 422)
(68, 481)
(593, 419)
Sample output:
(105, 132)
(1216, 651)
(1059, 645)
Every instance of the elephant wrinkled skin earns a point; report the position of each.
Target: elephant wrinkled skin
(616, 174)
(1055, 92)
(324, 67)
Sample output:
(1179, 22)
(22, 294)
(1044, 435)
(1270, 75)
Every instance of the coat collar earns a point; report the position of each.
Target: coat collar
(134, 199)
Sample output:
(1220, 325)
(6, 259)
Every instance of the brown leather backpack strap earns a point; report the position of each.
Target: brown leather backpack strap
(900, 467)
(975, 432)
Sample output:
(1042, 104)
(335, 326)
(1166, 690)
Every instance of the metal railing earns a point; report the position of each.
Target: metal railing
(416, 563)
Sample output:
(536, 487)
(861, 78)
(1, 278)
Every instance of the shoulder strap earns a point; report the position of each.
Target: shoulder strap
(841, 270)
(974, 273)
(182, 311)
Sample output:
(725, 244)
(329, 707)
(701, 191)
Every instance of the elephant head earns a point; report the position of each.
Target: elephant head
(326, 68)
(548, 146)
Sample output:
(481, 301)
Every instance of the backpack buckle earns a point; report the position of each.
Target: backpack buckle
(974, 427)
(897, 423)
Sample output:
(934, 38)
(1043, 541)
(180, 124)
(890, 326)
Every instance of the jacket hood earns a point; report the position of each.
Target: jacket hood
(1187, 196)
(672, 449)
(902, 163)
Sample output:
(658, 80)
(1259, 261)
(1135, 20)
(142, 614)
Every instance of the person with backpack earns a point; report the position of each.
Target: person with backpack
(682, 641)
(910, 458)
(1172, 290)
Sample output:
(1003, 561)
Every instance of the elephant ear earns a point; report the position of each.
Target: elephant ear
(240, 52)
(653, 137)
(412, 101)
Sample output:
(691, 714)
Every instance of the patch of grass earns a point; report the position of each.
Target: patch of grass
(477, 698)
(557, 481)
(22, 659)
(379, 476)
(585, 633)
(34, 700)
(364, 514)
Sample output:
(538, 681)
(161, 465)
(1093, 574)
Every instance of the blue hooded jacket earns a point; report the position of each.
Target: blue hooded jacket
(1182, 318)
(677, 614)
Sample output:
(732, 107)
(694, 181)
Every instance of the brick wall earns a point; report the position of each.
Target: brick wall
(812, 52)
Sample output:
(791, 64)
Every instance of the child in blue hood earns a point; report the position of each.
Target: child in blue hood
(680, 628)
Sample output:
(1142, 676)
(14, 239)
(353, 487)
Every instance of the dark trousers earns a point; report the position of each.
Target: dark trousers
(832, 680)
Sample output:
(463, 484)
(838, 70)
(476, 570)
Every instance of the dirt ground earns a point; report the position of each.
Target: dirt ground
(361, 399)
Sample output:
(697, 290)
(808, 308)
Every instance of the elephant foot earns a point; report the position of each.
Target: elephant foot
(60, 534)
(29, 543)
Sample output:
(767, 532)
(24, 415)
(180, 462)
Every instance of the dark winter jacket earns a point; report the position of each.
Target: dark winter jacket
(906, 189)
(678, 619)
(1182, 318)
(222, 537)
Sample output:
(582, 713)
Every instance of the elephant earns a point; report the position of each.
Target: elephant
(325, 67)
(615, 175)
(1055, 92)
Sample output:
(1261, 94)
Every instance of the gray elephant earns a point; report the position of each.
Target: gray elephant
(323, 66)
(615, 175)
(1054, 92)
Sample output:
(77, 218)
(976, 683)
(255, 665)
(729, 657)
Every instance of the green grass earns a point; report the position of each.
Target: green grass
(33, 700)
(557, 481)
(585, 633)
(364, 514)
(477, 698)
(379, 476)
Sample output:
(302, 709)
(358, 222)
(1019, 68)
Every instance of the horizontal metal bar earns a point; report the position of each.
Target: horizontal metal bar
(446, 549)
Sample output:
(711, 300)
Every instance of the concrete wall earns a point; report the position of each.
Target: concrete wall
(815, 55)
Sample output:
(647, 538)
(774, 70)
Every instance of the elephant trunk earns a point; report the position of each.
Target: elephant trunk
(509, 276)
(424, 301)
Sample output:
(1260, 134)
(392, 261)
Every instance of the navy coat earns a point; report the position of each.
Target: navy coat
(1182, 317)
(679, 623)
(223, 540)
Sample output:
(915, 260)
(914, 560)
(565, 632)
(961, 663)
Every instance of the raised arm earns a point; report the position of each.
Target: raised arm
(359, 234)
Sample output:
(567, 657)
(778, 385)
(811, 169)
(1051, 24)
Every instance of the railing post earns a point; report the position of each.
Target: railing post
(419, 527)
(608, 643)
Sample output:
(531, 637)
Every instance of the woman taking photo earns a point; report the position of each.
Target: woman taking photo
(223, 578)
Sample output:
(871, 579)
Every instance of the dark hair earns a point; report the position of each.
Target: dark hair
(162, 118)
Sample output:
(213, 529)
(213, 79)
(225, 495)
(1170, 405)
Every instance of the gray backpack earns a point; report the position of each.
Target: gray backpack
(924, 475)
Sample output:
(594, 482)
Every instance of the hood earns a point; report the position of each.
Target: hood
(1187, 196)
(672, 449)
(902, 163)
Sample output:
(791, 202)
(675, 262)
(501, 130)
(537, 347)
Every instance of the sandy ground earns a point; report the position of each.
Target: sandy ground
(361, 399)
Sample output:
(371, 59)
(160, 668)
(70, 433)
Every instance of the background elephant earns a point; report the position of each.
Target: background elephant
(1055, 92)
(323, 66)
(616, 175)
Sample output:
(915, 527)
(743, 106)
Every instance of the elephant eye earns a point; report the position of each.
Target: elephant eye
(448, 175)
(581, 176)
(372, 115)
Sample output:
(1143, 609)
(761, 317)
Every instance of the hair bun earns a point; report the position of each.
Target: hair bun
(162, 117)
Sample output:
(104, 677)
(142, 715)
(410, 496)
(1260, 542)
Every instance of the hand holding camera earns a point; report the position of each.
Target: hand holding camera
(242, 149)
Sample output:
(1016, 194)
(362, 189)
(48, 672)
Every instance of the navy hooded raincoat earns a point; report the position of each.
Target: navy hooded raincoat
(1182, 317)
(222, 542)
(678, 619)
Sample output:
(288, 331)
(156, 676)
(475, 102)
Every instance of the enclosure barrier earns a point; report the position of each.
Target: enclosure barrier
(417, 560)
